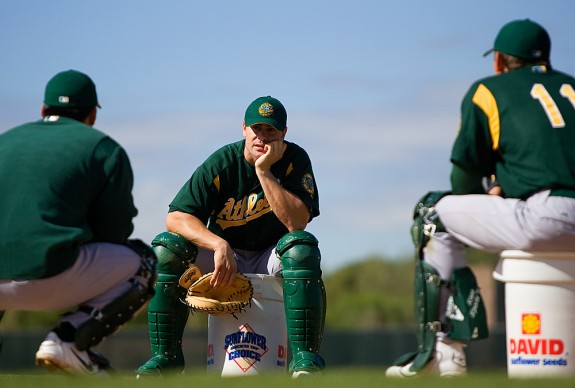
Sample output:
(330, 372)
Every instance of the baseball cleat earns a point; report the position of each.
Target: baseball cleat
(298, 373)
(57, 355)
(448, 361)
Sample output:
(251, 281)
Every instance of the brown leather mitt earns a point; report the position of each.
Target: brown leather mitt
(231, 299)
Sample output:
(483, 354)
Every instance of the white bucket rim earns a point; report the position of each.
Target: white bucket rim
(516, 266)
(542, 255)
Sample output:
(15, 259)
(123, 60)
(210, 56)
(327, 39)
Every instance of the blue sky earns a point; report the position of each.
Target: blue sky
(372, 90)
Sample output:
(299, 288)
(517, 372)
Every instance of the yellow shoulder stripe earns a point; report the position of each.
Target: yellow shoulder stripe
(217, 182)
(484, 99)
(289, 169)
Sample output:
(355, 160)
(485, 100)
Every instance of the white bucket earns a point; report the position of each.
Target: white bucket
(256, 341)
(539, 312)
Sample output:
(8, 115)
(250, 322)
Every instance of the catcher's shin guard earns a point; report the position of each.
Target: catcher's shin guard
(427, 290)
(108, 319)
(304, 299)
(427, 282)
(465, 310)
(167, 315)
(465, 315)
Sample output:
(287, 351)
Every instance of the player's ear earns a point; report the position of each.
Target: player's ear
(91, 118)
(498, 63)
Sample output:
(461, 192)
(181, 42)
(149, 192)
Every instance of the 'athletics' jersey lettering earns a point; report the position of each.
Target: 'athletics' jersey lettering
(240, 212)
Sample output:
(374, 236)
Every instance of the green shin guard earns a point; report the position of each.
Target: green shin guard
(167, 315)
(167, 318)
(304, 299)
(465, 310)
(427, 286)
(427, 282)
(465, 313)
(465, 317)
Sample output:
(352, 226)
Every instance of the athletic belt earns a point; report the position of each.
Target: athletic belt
(562, 193)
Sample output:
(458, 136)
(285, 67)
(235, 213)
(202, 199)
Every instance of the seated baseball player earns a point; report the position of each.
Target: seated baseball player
(517, 126)
(245, 209)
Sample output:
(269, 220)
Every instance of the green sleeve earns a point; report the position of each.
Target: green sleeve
(465, 181)
(473, 147)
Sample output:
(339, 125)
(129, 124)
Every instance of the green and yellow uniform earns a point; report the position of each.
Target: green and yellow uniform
(225, 193)
(520, 126)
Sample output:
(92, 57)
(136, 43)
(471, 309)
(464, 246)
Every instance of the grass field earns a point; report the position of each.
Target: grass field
(352, 378)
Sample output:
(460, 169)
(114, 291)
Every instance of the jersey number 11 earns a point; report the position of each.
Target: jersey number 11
(541, 94)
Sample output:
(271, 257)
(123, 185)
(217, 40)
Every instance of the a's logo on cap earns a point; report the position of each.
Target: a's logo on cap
(266, 109)
(64, 99)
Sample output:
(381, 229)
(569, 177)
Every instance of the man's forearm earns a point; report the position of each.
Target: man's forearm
(287, 207)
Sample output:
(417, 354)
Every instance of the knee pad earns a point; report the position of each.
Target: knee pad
(107, 320)
(300, 256)
(425, 219)
(174, 252)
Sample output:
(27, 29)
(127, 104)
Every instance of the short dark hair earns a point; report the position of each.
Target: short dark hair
(514, 63)
(79, 114)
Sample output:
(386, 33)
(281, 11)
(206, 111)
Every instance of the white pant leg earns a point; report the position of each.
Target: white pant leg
(492, 223)
(485, 222)
(99, 275)
(262, 262)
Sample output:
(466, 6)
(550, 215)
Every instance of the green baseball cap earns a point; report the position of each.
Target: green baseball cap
(71, 89)
(266, 110)
(523, 39)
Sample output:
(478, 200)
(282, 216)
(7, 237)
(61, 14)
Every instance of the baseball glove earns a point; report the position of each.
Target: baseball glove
(230, 299)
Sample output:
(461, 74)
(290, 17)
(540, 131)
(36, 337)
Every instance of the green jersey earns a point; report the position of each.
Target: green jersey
(224, 192)
(520, 127)
(64, 183)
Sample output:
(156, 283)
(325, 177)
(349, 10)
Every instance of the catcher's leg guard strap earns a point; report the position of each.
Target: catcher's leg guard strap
(304, 296)
(465, 309)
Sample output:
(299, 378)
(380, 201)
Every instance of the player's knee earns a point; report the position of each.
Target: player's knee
(299, 254)
(174, 252)
(426, 221)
